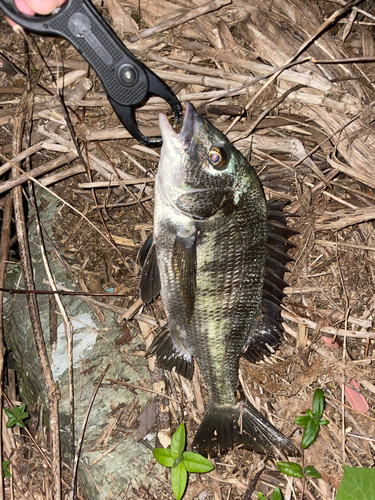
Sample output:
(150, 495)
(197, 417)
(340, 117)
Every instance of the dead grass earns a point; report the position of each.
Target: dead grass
(315, 149)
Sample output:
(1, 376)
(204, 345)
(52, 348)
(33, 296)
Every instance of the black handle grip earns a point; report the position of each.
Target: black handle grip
(123, 77)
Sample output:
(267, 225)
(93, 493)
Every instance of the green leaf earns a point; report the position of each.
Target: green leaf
(302, 421)
(8, 413)
(179, 480)
(357, 483)
(323, 421)
(16, 415)
(290, 469)
(276, 494)
(261, 497)
(312, 472)
(11, 422)
(178, 441)
(309, 413)
(318, 403)
(6, 472)
(310, 433)
(163, 457)
(196, 463)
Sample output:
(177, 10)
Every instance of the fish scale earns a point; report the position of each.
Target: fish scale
(217, 258)
(211, 328)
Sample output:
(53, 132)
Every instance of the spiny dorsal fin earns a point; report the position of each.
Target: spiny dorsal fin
(169, 356)
(184, 264)
(149, 284)
(268, 330)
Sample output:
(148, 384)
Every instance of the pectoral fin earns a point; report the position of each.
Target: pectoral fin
(184, 264)
(149, 284)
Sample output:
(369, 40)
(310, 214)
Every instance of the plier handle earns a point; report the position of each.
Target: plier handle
(127, 82)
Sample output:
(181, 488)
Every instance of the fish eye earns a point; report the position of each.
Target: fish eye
(217, 156)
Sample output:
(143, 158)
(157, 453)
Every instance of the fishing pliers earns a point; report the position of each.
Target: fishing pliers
(127, 82)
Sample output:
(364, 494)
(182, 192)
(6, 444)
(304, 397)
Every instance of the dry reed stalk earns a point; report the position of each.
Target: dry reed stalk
(180, 19)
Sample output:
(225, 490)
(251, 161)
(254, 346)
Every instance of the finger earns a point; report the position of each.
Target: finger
(22, 7)
(29, 7)
(43, 7)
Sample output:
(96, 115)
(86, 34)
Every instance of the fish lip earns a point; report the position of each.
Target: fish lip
(182, 139)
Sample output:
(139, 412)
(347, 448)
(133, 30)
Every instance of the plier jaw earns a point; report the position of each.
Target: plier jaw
(127, 82)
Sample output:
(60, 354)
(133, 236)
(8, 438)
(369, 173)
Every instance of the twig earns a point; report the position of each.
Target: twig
(252, 484)
(82, 433)
(107, 452)
(109, 184)
(37, 172)
(326, 329)
(348, 60)
(4, 249)
(24, 154)
(326, 243)
(52, 391)
(181, 19)
(67, 324)
(139, 387)
(339, 403)
(64, 292)
(272, 106)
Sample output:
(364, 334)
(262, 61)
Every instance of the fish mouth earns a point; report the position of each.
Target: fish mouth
(182, 139)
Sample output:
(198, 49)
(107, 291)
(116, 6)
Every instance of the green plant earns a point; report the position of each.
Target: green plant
(311, 422)
(276, 495)
(295, 470)
(15, 416)
(181, 462)
(6, 472)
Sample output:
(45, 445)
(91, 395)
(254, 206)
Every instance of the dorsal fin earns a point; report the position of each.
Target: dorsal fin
(268, 330)
(149, 284)
(184, 264)
(279, 241)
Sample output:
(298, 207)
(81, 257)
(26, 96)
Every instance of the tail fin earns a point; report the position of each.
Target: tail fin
(224, 427)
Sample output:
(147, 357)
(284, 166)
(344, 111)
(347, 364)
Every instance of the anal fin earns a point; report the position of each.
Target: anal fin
(169, 356)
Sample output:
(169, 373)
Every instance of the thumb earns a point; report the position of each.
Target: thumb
(44, 6)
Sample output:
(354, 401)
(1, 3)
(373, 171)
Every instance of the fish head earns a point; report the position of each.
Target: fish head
(199, 167)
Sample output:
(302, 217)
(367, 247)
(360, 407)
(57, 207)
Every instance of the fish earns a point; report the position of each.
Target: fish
(217, 257)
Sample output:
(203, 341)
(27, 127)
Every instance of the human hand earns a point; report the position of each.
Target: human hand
(30, 7)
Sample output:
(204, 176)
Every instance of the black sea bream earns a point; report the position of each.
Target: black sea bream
(217, 258)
